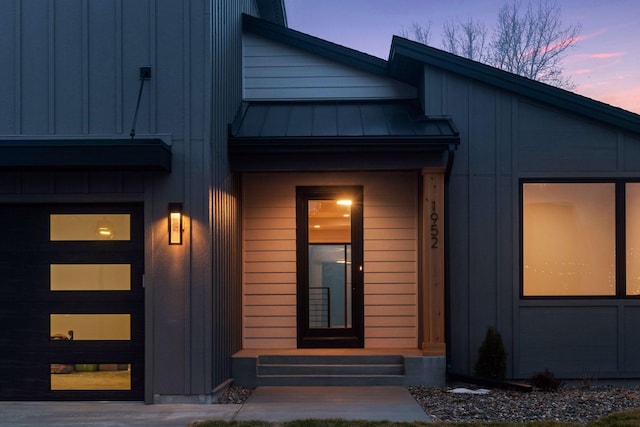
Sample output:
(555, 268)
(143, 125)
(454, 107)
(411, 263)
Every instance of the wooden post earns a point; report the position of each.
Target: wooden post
(432, 283)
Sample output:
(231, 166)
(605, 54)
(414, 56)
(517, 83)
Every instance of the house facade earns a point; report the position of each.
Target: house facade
(197, 194)
(112, 113)
(536, 233)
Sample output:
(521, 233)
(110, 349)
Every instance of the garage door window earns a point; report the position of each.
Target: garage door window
(90, 227)
(90, 277)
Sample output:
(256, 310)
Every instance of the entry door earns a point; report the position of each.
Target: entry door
(71, 302)
(330, 296)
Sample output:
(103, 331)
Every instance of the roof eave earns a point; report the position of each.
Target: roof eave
(341, 144)
(148, 154)
(407, 59)
(273, 11)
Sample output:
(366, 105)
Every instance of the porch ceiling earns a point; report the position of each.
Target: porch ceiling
(271, 136)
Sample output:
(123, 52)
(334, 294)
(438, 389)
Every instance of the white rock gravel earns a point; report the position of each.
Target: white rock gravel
(579, 405)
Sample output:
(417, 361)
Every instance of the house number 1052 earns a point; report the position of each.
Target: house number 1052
(434, 226)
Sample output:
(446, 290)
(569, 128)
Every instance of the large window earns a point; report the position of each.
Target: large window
(632, 227)
(580, 239)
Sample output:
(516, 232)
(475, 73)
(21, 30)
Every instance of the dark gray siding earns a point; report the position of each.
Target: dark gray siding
(504, 138)
(225, 197)
(72, 68)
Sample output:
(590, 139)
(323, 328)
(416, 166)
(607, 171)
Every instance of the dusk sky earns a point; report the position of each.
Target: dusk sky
(604, 64)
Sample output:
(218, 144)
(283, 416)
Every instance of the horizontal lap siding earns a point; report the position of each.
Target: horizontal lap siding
(274, 71)
(269, 266)
(390, 246)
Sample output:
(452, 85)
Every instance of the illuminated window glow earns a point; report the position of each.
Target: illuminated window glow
(569, 239)
(632, 215)
(89, 227)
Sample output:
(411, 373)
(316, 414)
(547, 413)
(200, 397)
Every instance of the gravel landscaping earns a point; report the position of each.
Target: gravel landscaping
(570, 404)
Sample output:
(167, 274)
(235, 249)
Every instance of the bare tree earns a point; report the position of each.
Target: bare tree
(417, 32)
(530, 41)
(533, 42)
(468, 39)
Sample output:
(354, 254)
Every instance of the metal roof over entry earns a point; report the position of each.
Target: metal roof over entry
(338, 136)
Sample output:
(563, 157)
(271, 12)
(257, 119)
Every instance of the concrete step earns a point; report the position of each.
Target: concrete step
(250, 368)
(331, 359)
(329, 380)
(330, 370)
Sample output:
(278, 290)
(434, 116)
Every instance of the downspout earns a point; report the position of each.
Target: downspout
(447, 287)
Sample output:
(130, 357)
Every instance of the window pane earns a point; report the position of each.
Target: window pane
(569, 239)
(632, 204)
(329, 221)
(90, 376)
(90, 277)
(330, 286)
(74, 227)
(91, 327)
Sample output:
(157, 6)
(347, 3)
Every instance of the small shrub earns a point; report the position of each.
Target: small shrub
(588, 381)
(545, 381)
(492, 357)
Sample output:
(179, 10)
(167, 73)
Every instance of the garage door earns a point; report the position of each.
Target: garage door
(71, 302)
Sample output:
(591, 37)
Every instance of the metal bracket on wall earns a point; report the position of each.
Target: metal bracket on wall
(145, 74)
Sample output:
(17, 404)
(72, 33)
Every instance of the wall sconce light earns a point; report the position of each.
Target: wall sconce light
(175, 223)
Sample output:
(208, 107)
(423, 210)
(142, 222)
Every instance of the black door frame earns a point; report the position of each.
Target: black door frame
(329, 337)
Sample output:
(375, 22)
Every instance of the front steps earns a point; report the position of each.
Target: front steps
(335, 370)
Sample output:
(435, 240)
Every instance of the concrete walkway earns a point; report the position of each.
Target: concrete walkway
(393, 403)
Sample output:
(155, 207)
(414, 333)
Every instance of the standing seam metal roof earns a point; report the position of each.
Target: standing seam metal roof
(342, 120)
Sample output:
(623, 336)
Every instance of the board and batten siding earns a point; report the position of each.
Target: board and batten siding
(70, 69)
(390, 256)
(505, 138)
(274, 71)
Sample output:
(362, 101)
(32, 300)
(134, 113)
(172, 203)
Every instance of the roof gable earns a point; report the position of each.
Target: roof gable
(277, 71)
(315, 45)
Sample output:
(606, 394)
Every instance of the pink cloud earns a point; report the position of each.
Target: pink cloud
(627, 96)
(607, 55)
(597, 33)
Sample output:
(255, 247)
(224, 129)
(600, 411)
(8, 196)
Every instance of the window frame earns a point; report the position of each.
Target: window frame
(620, 236)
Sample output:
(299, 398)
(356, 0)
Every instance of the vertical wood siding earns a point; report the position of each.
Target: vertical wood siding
(224, 196)
(274, 71)
(390, 256)
(504, 138)
(71, 67)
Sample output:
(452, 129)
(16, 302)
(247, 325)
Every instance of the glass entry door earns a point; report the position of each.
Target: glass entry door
(329, 266)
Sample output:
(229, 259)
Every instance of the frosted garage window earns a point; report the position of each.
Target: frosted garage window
(90, 327)
(90, 277)
(632, 215)
(82, 227)
(569, 239)
(90, 376)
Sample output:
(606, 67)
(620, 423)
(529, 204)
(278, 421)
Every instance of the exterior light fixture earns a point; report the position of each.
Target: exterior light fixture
(175, 223)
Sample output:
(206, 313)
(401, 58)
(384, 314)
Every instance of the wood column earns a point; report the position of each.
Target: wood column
(432, 272)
